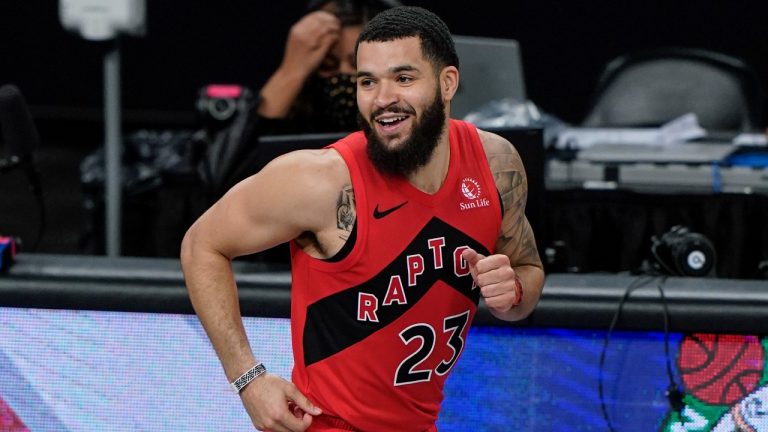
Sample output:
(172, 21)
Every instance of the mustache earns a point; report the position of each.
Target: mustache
(392, 110)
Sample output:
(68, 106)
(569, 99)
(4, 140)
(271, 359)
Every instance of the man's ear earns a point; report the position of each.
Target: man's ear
(449, 82)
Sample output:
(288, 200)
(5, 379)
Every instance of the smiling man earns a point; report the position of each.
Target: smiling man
(396, 234)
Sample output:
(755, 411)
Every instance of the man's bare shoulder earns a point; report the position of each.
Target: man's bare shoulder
(294, 195)
(300, 187)
(323, 159)
(500, 152)
(321, 205)
(308, 170)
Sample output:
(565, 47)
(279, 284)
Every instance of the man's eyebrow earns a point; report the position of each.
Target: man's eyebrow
(392, 70)
(403, 68)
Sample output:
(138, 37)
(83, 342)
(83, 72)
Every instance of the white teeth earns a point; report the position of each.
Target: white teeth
(391, 120)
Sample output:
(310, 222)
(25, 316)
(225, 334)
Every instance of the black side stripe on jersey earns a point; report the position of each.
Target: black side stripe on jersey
(332, 325)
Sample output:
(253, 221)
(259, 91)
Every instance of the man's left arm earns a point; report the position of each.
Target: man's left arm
(510, 280)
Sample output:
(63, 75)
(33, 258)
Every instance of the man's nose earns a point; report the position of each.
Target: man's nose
(386, 94)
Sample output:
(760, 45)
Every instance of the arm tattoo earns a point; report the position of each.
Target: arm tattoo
(345, 211)
(516, 239)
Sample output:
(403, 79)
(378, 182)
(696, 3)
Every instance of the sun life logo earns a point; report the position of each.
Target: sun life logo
(470, 188)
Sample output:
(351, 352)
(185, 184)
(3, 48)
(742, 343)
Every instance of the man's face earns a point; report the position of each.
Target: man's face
(401, 106)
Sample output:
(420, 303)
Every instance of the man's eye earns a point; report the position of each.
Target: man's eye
(404, 79)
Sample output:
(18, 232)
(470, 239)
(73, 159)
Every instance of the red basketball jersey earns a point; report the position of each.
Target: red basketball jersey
(376, 334)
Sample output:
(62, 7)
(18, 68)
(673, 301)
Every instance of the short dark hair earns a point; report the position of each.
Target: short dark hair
(353, 12)
(413, 21)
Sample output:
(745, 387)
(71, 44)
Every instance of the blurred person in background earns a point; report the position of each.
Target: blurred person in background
(313, 89)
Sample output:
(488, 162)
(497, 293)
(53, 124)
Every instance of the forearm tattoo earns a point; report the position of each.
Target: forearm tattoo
(345, 211)
(517, 238)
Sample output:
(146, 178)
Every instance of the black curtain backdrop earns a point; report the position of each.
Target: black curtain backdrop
(565, 45)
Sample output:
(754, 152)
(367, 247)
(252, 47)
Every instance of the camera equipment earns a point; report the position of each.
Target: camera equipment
(20, 136)
(7, 252)
(217, 104)
(681, 252)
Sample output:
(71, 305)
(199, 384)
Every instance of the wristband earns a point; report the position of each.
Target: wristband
(239, 384)
(518, 292)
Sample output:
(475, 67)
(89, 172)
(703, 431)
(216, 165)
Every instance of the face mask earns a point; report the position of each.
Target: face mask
(339, 100)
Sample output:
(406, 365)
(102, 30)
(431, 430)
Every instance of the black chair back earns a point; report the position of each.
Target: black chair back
(649, 88)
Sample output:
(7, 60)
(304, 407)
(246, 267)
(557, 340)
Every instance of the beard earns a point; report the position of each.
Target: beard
(414, 152)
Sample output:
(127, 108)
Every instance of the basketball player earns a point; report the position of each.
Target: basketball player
(396, 232)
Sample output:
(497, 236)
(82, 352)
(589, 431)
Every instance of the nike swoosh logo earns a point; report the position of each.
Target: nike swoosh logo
(380, 214)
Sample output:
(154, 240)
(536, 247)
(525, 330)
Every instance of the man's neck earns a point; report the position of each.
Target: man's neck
(431, 176)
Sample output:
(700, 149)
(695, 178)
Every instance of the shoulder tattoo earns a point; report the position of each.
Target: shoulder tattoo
(516, 239)
(345, 211)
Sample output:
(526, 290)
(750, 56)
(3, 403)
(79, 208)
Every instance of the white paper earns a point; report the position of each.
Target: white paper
(681, 129)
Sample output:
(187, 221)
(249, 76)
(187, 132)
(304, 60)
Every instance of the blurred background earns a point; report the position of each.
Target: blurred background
(564, 48)
(84, 332)
(565, 45)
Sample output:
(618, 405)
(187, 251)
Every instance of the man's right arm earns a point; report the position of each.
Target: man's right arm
(287, 198)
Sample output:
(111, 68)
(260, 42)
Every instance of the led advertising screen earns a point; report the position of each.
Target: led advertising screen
(67, 370)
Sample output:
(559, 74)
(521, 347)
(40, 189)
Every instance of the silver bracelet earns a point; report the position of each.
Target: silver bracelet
(251, 374)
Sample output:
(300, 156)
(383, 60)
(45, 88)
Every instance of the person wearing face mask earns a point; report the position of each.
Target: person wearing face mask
(313, 89)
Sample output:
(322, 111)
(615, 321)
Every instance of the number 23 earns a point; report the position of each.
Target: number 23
(407, 372)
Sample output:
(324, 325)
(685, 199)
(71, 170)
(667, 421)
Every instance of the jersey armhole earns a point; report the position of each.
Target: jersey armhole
(350, 253)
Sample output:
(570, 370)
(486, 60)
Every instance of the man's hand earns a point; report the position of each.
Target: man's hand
(309, 41)
(276, 405)
(496, 279)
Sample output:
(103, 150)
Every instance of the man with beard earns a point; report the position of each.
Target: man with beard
(396, 232)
